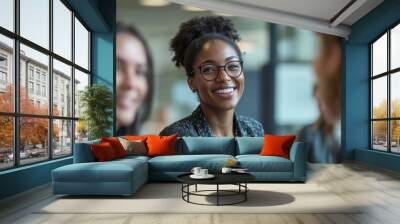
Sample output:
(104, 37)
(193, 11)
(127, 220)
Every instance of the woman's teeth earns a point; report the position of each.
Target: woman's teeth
(225, 90)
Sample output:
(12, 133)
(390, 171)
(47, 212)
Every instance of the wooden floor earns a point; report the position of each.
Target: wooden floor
(377, 188)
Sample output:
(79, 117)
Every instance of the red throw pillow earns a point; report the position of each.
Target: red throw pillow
(277, 145)
(103, 152)
(116, 145)
(161, 145)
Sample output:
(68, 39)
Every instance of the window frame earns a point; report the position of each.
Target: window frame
(388, 74)
(16, 115)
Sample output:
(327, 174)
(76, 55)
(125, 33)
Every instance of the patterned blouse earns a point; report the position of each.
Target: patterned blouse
(197, 125)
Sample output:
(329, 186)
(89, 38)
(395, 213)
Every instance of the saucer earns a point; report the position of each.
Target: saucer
(208, 176)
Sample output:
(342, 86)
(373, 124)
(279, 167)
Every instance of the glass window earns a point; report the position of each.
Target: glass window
(30, 86)
(379, 56)
(40, 62)
(7, 14)
(34, 21)
(379, 135)
(379, 99)
(81, 81)
(382, 119)
(81, 131)
(62, 29)
(395, 95)
(395, 136)
(81, 45)
(62, 138)
(62, 72)
(34, 79)
(395, 47)
(6, 84)
(6, 142)
(33, 140)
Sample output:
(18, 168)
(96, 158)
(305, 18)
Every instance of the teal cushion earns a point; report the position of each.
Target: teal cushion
(257, 163)
(206, 145)
(185, 163)
(249, 145)
(83, 152)
(111, 171)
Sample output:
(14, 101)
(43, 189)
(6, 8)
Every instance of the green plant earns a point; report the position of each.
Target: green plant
(96, 102)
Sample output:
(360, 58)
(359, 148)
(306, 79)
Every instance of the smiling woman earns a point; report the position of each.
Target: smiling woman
(207, 48)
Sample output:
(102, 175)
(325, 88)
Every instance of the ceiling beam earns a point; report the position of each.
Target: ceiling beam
(269, 15)
(346, 12)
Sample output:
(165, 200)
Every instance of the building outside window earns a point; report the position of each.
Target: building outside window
(57, 129)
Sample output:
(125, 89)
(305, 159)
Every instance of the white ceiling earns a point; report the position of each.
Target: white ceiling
(326, 16)
(322, 9)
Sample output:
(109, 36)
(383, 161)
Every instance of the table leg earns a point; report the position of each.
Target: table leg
(196, 188)
(245, 193)
(217, 194)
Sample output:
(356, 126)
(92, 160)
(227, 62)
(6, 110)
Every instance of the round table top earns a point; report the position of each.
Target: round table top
(220, 178)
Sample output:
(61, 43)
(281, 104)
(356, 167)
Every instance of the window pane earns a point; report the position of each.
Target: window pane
(34, 96)
(62, 138)
(395, 94)
(6, 142)
(81, 45)
(35, 21)
(81, 131)
(395, 136)
(7, 14)
(62, 89)
(62, 29)
(6, 74)
(379, 55)
(379, 135)
(33, 140)
(379, 97)
(81, 81)
(395, 47)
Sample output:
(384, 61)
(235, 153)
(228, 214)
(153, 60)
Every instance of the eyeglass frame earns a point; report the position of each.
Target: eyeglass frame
(218, 68)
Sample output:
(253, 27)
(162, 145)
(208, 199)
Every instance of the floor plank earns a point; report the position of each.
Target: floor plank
(377, 190)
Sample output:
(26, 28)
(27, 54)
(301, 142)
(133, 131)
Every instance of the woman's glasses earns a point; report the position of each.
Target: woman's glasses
(210, 71)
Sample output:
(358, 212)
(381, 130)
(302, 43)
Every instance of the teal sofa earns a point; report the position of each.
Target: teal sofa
(125, 176)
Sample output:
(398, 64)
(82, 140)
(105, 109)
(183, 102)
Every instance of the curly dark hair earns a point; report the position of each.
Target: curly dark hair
(193, 34)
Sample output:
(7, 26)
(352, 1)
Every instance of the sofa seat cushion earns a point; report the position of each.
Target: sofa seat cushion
(257, 163)
(185, 163)
(112, 171)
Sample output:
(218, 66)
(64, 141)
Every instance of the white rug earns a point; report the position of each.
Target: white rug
(166, 198)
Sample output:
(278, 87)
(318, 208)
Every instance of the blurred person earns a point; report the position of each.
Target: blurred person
(324, 135)
(207, 49)
(134, 80)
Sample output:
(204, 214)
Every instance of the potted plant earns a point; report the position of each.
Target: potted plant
(96, 103)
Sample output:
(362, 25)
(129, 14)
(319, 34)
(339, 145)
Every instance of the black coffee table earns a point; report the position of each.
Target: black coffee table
(238, 179)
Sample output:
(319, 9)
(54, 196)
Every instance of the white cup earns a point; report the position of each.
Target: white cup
(226, 170)
(203, 172)
(196, 171)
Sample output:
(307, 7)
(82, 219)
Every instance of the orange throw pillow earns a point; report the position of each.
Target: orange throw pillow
(116, 145)
(103, 152)
(277, 145)
(161, 145)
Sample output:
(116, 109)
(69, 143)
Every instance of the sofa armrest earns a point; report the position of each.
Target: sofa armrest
(83, 152)
(298, 155)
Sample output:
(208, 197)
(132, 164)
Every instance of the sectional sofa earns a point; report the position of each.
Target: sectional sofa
(125, 176)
